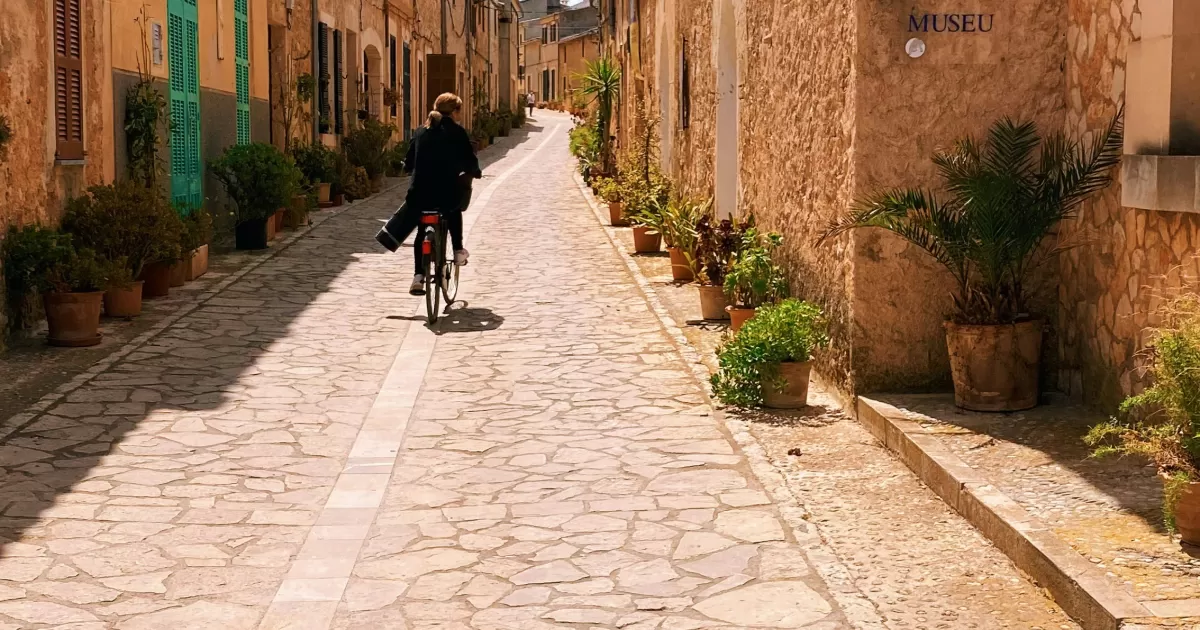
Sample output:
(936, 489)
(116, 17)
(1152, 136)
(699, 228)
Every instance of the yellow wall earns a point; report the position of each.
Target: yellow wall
(128, 40)
(260, 79)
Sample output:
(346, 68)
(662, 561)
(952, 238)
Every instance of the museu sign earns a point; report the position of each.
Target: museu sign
(951, 22)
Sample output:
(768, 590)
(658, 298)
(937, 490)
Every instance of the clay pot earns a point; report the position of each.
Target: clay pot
(645, 241)
(297, 216)
(338, 200)
(738, 315)
(254, 234)
(198, 263)
(680, 270)
(995, 367)
(125, 302)
(713, 302)
(73, 318)
(794, 391)
(323, 190)
(179, 273)
(615, 216)
(1187, 513)
(157, 277)
(278, 219)
(377, 183)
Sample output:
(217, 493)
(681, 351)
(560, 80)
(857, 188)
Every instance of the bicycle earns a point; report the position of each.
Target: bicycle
(441, 274)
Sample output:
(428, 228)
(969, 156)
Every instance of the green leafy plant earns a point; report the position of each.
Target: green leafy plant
(84, 271)
(366, 146)
(125, 221)
(341, 174)
(258, 177)
(306, 87)
(754, 279)
(601, 82)
(1002, 197)
(197, 230)
(788, 331)
(608, 189)
(641, 181)
(395, 159)
(358, 186)
(717, 246)
(145, 117)
(680, 216)
(584, 143)
(315, 161)
(29, 253)
(1163, 422)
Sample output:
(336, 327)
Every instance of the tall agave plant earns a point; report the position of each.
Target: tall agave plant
(999, 200)
(602, 82)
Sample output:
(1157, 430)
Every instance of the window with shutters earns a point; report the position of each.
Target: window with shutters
(407, 92)
(392, 72)
(241, 53)
(323, 77)
(339, 86)
(68, 79)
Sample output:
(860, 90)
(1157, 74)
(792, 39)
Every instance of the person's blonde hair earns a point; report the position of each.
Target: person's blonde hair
(446, 104)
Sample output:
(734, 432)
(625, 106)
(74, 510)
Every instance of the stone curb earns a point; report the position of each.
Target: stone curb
(16, 421)
(858, 610)
(1083, 591)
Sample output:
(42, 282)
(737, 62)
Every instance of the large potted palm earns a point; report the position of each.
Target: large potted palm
(1001, 197)
(602, 82)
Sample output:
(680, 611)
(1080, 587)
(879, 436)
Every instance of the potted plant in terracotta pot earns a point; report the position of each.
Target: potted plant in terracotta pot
(260, 180)
(754, 279)
(769, 360)
(1001, 198)
(357, 184)
(647, 225)
(1163, 422)
(680, 218)
(341, 177)
(317, 162)
(366, 146)
(197, 237)
(610, 191)
(72, 282)
(128, 221)
(717, 245)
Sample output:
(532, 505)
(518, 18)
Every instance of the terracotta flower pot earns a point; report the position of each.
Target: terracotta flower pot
(323, 190)
(680, 270)
(198, 264)
(995, 367)
(338, 200)
(738, 315)
(297, 215)
(157, 277)
(125, 302)
(254, 234)
(278, 218)
(645, 241)
(793, 393)
(1187, 513)
(615, 216)
(179, 273)
(73, 318)
(713, 302)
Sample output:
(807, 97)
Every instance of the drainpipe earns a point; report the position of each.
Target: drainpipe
(316, 69)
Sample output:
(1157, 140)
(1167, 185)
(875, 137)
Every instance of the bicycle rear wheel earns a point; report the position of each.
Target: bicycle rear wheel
(449, 274)
(433, 284)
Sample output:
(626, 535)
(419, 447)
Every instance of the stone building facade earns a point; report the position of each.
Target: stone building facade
(792, 111)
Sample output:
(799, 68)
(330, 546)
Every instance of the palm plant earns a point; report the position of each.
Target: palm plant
(602, 82)
(1002, 198)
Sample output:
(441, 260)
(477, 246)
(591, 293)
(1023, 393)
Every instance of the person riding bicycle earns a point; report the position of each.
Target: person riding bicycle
(441, 158)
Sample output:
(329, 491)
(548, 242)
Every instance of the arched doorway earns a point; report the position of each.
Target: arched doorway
(370, 90)
(727, 110)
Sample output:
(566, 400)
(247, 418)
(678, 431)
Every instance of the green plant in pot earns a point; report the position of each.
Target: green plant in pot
(395, 159)
(647, 222)
(358, 185)
(1000, 199)
(366, 146)
(1163, 423)
(260, 180)
(680, 216)
(754, 279)
(195, 242)
(717, 245)
(317, 162)
(72, 282)
(769, 360)
(601, 83)
(128, 221)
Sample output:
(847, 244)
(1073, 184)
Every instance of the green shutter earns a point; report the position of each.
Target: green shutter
(183, 43)
(241, 27)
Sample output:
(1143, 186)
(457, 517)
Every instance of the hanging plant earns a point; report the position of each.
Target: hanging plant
(390, 97)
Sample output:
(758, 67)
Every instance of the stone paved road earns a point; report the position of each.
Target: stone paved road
(297, 453)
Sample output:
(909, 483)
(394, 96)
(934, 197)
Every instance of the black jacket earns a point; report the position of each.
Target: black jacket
(437, 157)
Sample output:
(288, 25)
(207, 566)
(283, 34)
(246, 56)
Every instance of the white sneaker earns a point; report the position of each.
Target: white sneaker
(460, 257)
(418, 285)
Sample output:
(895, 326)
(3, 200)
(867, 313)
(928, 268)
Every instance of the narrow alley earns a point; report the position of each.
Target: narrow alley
(301, 451)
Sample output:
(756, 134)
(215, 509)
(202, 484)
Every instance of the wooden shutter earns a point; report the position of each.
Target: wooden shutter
(392, 71)
(323, 77)
(68, 79)
(241, 39)
(440, 77)
(407, 92)
(339, 114)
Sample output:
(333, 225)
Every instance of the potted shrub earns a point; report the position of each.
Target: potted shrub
(395, 159)
(717, 245)
(1163, 422)
(197, 236)
(296, 215)
(127, 221)
(680, 217)
(260, 180)
(754, 279)
(1002, 197)
(341, 176)
(317, 162)
(366, 147)
(647, 229)
(358, 186)
(610, 191)
(768, 361)
(72, 282)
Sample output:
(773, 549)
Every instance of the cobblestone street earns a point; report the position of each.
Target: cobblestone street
(301, 451)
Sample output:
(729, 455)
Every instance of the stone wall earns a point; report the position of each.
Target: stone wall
(1108, 283)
